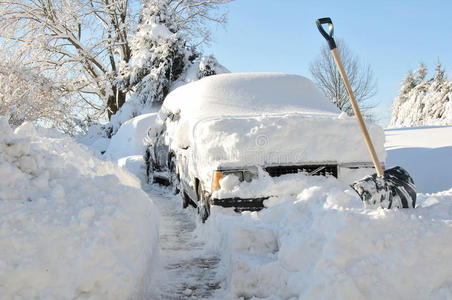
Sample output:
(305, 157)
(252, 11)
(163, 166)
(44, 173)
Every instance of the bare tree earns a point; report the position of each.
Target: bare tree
(328, 79)
(84, 43)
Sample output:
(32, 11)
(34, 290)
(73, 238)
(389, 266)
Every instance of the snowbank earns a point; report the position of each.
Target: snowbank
(316, 241)
(129, 140)
(425, 152)
(71, 225)
(95, 139)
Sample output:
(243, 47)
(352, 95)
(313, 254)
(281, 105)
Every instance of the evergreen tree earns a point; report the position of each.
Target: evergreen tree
(408, 83)
(439, 77)
(161, 59)
(423, 102)
(159, 54)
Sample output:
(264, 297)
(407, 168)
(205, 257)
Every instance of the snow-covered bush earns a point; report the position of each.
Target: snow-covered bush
(71, 226)
(423, 102)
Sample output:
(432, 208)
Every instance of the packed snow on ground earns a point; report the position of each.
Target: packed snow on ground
(317, 241)
(425, 152)
(71, 225)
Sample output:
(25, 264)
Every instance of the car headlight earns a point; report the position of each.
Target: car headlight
(242, 175)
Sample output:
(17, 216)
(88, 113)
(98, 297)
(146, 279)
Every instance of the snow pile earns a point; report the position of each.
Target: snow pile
(316, 241)
(127, 146)
(129, 140)
(425, 152)
(423, 102)
(71, 225)
(96, 139)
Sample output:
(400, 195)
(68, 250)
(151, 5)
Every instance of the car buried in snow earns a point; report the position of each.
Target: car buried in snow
(236, 128)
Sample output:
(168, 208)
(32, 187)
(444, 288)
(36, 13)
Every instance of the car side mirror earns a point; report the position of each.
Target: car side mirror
(153, 132)
(175, 117)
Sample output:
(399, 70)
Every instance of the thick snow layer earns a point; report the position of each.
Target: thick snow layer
(283, 140)
(129, 140)
(425, 152)
(317, 241)
(248, 93)
(95, 139)
(277, 140)
(71, 225)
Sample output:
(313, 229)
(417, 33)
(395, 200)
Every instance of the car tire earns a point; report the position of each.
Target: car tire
(149, 167)
(203, 204)
(186, 201)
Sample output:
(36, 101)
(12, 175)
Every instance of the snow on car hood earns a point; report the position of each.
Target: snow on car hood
(282, 140)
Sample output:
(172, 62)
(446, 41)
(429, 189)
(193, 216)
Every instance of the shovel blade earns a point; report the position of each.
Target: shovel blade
(395, 189)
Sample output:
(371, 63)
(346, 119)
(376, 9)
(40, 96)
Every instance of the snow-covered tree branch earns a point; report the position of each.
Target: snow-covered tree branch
(85, 44)
(423, 102)
(28, 96)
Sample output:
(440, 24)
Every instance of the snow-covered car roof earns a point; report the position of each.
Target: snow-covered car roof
(248, 94)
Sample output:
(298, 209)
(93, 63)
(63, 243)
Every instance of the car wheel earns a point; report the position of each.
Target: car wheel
(186, 201)
(174, 177)
(203, 204)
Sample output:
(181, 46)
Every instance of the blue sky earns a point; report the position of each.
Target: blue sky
(392, 37)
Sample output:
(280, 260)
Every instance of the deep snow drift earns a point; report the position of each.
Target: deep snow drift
(317, 241)
(425, 152)
(128, 145)
(71, 226)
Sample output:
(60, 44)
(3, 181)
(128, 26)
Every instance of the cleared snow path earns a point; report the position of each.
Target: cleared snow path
(187, 270)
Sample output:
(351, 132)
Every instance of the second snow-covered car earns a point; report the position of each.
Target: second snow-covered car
(246, 125)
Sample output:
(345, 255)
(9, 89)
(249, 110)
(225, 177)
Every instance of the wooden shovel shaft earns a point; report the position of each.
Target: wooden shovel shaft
(358, 115)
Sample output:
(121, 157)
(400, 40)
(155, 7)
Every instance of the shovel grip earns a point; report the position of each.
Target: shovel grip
(328, 36)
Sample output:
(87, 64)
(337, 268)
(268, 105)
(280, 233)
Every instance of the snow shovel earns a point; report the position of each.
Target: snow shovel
(391, 188)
